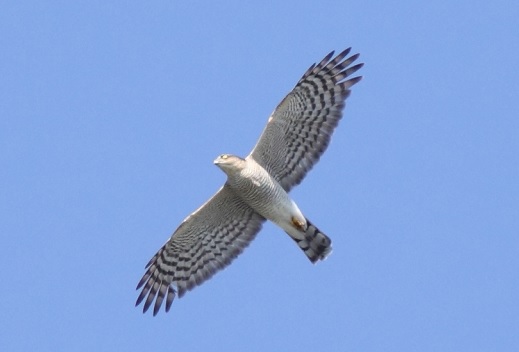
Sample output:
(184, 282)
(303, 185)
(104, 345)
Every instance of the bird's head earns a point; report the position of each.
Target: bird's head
(229, 163)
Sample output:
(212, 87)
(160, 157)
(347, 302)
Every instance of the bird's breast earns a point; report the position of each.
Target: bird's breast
(261, 192)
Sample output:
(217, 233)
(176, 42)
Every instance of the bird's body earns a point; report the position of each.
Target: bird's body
(296, 135)
(259, 190)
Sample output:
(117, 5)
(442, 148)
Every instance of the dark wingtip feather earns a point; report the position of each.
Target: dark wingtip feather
(148, 302)
(353, 57)
(353, 80)
(326, 59)
(143, 280)
(354, 69)
(345, 52)
(140, 298)
(170, 297)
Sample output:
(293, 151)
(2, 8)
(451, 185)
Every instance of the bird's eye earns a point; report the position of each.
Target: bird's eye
(224, 156)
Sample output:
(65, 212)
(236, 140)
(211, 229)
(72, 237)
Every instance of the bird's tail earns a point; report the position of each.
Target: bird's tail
(315, 244)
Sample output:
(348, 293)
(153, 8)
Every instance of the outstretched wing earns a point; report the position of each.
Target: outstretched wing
(299, 129)
(206, 242)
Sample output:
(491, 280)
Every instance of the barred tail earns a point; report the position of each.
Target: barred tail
(315, 244)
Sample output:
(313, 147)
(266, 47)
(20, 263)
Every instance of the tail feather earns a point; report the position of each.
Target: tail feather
(315, 244)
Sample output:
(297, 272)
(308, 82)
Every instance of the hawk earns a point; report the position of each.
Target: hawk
(296, 135)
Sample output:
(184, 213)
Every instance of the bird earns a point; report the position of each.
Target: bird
(257, 188)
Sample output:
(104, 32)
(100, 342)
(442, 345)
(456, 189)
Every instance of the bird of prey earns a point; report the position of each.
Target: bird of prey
(257, 186)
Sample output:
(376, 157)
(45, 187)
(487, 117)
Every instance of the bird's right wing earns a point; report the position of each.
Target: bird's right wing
(206, 242)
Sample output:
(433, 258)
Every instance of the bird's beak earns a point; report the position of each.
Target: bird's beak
(216, 161)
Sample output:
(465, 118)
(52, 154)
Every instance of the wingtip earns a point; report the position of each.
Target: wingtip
(329, 56)
(345, 51)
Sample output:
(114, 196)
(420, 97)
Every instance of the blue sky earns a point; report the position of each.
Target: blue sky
(111, 116)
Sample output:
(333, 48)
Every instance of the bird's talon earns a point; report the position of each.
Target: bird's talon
(298, 223)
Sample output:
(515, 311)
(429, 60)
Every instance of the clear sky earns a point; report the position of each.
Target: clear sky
(111, 113)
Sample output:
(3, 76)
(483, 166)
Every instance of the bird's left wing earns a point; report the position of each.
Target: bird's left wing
(299, 130)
